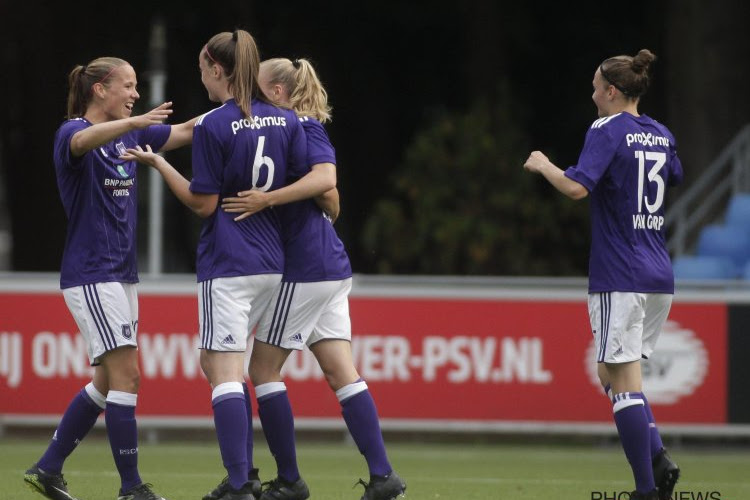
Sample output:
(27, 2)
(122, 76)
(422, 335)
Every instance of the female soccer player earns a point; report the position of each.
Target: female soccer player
(312, 301)
(98, 276)
(244, 143)
(627, 162)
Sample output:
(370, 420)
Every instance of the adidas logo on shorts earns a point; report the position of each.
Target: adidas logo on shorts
(297, 337)
(228, 340)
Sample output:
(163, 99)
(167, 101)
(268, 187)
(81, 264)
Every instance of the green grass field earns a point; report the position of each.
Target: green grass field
(432, 471)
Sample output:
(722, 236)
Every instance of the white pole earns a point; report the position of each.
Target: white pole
(157, 80)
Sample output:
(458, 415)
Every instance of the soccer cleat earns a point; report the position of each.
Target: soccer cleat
(224, 486)
(279, 489)
(52, 486)
(666, 474)
(141, 492)
(244, 493)
(651, 495)
(383, 487)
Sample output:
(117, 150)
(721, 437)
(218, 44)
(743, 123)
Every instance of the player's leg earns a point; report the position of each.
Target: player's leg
(617, 323)
(285, 326)
(225, 309)
(330, 343)
(79, 417)
(114, 307)
(666, 471)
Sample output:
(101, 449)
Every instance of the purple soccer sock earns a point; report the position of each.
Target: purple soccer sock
(632, 425)
(76, 422)
(656, 443)
(249, 406)
(277, 421)
(123, 437)
(361, 417)
(230, 420)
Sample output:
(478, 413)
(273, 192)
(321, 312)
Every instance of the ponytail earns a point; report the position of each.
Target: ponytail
(238, 55)
(307, 97)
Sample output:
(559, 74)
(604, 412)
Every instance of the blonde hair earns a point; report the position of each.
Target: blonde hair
(238, 55)
(307, 97)
(82, 79)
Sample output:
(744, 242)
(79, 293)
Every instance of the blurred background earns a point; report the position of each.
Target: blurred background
(436, 106)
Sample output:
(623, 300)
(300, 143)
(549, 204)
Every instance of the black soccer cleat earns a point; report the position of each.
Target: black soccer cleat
(224, 486)
(244, 493)
(383, 487)
(666, 474)
(651, 495)
(141, 492)
(279, 489)
(52, 486)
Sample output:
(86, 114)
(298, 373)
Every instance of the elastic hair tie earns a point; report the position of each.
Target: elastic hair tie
(296, 64)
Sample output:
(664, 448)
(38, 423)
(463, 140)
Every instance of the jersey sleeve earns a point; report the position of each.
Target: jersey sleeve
(155, 136)
(298, 161)
(207, 161)
(598, 150)
(62, 155)
(319, 147)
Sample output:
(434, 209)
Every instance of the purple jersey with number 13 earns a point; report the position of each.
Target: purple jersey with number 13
(232, 154)
(626, 164)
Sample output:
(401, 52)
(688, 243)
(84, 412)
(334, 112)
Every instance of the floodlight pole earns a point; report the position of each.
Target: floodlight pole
(157, 75)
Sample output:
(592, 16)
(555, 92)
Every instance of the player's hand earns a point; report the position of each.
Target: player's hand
(246, 202)
(536, 162)
(156, 116)
(147, 156)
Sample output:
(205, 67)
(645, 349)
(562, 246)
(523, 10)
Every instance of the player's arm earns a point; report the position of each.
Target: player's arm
(320, 179)
(202, 204)
(537, 162)
(329, 203)
(180, 135)
(96, 135)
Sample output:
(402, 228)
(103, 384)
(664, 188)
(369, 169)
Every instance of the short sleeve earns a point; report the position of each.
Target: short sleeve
(599, 149)
(155, 136)
(298, 162)
(207, 161)
(319, 147)
(62, 155)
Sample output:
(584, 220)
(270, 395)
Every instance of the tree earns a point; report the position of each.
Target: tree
(464, 205)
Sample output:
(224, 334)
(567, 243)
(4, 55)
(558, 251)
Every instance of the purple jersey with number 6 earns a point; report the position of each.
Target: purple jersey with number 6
(313, 250)
(99, 193)
(232, 153)
(626, 164)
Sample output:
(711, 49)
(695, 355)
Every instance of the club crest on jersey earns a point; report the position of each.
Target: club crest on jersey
(121, 149)
(127, 332)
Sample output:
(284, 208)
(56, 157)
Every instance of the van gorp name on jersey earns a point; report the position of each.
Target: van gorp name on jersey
(643, 221)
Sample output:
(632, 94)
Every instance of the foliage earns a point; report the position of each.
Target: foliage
(463, 204)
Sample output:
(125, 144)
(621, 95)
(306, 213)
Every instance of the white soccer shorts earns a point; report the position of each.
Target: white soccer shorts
(106, 315)
(626, 325)
(230, 308)
(305, 313)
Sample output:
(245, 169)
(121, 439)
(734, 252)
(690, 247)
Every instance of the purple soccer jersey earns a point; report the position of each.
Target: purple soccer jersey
(626, 164)
(232, 154)
(313, 250)
(99, 193)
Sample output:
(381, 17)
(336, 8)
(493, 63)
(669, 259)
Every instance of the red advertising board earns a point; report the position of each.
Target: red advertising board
(489, 360)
